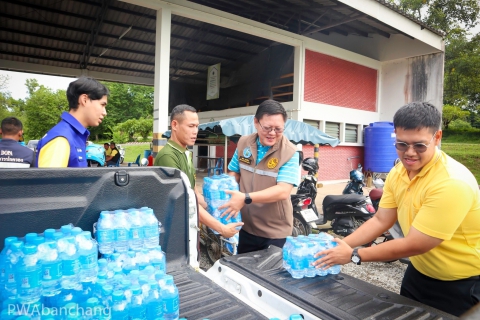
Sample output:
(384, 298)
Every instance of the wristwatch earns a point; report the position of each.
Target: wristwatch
(356, 258)
(248, 200)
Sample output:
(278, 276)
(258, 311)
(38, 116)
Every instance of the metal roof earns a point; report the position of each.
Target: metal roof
(117, 37)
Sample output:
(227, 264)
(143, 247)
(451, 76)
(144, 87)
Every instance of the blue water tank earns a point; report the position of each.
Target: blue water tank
(380, 153)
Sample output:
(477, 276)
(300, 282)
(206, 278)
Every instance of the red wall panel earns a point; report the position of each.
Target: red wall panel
(336, 82)
(332, 162)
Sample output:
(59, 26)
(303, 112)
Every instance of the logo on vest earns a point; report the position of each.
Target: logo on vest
(272, 163)
(245, 160)
(247, 153)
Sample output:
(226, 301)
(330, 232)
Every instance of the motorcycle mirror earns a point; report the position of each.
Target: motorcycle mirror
(144, 162)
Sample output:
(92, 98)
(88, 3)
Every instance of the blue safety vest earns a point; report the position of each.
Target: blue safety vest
(75, 133)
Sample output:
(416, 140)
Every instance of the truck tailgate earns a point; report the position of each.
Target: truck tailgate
(332, 297)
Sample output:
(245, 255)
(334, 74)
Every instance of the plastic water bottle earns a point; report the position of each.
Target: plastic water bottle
(87, 249)
(287, 248)
(106, 299)
(29, 274)
(70, 262)
(3, 263)
(297, 261)
(127, 290)
(157, 259)
(310, 270)
(321, 245)
(105, 233)
(335, 269)
(169, 292)
(52, 270)
(66, 229)
(13, 258)
(154, 301)
(119, 306)
(137, 309)
(150, 228)
(121, 230)
(136, 236)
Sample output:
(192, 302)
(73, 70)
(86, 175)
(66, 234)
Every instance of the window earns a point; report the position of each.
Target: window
(351, 133)
(363, 133)
(333, 129)
(313, 123)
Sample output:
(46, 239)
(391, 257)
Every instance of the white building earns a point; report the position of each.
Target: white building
(336, 64)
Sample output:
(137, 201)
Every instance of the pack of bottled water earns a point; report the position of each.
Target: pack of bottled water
(214, 188)
(57, 275)
(123, 230)
(299, 252)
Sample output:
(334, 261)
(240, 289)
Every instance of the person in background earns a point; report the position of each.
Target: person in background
(184, 123)
(265, 165)
(108, 151)
(64, 145)
(12, 154)
(436, 201)
(112, 159)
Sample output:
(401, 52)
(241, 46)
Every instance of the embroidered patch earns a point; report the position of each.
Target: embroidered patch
(247, 153)
(245, 160)
(272, 163)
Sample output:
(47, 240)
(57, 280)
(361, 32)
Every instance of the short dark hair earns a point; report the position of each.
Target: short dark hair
(178, 112)
(106, 143)
(270, 107)
(418, 115)
(113, 143)
(91, 87)
(11, 125)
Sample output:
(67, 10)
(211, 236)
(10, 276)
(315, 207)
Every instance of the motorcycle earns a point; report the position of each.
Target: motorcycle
(355, 184)
(95, 155)
(305, 212)
(121, 150)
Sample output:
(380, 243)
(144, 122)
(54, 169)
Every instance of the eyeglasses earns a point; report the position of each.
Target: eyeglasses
(269, 129)
(418, 147)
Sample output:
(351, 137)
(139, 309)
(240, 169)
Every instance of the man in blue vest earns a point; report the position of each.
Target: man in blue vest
(64, 145)
(12, 154)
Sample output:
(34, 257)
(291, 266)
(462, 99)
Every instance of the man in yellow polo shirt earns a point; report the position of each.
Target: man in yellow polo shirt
(437, 203)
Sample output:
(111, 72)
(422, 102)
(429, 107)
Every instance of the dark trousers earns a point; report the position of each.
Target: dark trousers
(248, 242)
(454, 297)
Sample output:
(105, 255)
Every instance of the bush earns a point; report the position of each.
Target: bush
(459, 124)
(120, 137)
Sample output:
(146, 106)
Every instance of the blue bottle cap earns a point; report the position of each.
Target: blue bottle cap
(136, 290)
(30, 249)
(30, 236)
(102, 263)
(92, 302)
(107, 289)
(38, 240)
(143, 279)
(48, 233)
(66, 229)
(9, 240)
(117, 295)
(57, 235)
(76, 231)
(153, 284)
(168, 279)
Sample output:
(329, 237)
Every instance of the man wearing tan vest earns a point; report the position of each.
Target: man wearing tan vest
(265, 165)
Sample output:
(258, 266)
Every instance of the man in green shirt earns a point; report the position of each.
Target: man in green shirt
(184, 124)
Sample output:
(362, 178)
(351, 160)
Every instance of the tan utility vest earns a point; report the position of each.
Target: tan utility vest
(267, 220)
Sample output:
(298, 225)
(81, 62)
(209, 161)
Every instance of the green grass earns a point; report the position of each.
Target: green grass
(467, 154)
(454, 136)
(133, 150)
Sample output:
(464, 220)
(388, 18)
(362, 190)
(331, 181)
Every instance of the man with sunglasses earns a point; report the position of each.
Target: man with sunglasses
(265, 165)
(437, 203)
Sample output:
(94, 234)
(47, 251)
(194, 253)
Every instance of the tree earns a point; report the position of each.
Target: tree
(42, 109)
(444, 15)
(126, 101)
(451, 113)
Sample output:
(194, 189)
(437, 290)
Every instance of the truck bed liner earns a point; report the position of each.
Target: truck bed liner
(200, 298)
(332, 297)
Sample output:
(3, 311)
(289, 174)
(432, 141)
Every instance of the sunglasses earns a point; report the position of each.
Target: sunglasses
(418, 147)
(269, 129)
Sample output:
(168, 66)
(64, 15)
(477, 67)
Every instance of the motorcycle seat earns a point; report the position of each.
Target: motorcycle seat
(342, 199)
